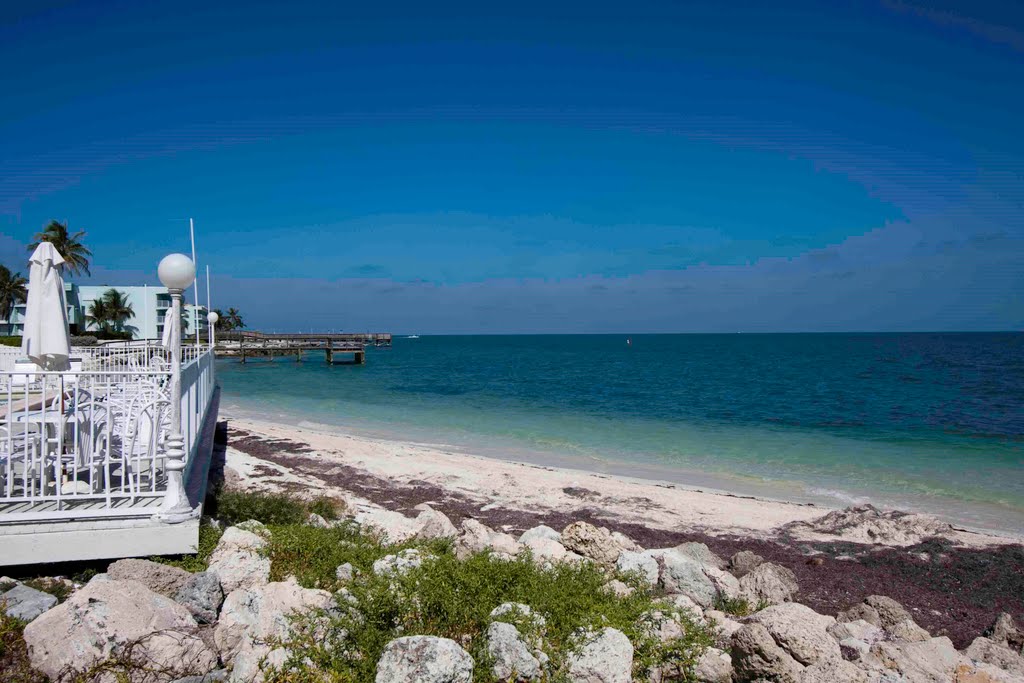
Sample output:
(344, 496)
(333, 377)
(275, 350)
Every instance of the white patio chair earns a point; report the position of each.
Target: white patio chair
(22, 460)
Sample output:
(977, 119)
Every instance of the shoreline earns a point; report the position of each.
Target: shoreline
(662, 504)
(953, 582)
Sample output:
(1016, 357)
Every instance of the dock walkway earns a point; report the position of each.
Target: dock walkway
(247, 345)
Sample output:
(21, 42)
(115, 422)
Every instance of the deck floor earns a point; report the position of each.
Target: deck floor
(140, 503)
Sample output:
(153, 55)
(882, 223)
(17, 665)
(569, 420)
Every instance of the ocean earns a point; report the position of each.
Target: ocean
(926, 422)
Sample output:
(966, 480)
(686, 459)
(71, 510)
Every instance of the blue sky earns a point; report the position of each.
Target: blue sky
(536, 167)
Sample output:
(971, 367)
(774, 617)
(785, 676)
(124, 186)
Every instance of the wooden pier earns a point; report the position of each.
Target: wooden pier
(351, 346)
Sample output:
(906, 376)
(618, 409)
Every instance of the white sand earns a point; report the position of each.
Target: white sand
(491, 483)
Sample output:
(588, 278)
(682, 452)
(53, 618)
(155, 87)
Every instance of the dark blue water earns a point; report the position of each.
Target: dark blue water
(925, 421)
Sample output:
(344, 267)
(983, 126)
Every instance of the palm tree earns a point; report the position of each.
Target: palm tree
(12, 291)
(76, 255)
(234, 320)
(118, 309)
(99, 315)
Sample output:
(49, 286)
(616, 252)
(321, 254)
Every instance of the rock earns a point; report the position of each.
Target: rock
(744, 562)
(768, 583)
(867, 524)
(725, 583)
(685, 603)
(517, 608)
(401, 563)
(213, 677)
(663, 626)
(477, 537)
(238, 559)
(394, 526)
(105, 617)
(701, 553)
(345, 572)
(619, 588)
(988, 651)
(424, 659)
(540, 532)
(714, 666)
(887, 614)
(202, 596)
(642, 564)
(857, 629)
(606, 657)
(159, 578)
(757, 657)
(833, 671)
(626, 543)
(255, 527)
(853, 649)
(934, 660)
(544, 549)
(723, 624)
(1005, 632)
(513, 660)
(22, 602)
(252, 619)
(434, 524)
(595, 543)
(316, 521)
(800, 631)
(682, 574)
(979, 672)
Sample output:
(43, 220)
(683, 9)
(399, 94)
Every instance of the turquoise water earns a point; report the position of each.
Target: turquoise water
(931, 422)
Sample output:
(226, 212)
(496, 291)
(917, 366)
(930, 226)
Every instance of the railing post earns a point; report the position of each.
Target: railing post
(176, 507)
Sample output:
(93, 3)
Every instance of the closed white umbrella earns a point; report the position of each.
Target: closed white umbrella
(45, 339)
(169, 330)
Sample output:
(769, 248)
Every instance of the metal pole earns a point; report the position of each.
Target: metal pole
(195, 280)
(176, 507)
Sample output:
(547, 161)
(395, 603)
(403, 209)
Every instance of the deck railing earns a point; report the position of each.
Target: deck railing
(91, 443)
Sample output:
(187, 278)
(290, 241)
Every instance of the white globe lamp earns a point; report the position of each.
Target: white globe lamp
(212, 318)
(176, 271)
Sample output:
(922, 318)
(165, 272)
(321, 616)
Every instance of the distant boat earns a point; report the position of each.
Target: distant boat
(413, 336)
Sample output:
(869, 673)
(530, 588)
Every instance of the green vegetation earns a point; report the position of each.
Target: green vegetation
(233, 507)
(208, 537)
(232, 320)
(453, 598)
(11, 340)
(14, 662)
(110, 312)
(12, 291)
(738, 607)
(76, 255)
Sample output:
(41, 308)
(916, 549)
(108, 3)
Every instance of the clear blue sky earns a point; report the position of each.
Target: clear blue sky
(533, 167)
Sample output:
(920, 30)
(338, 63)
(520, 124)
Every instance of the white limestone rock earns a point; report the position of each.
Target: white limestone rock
(434, 524)
(701, 553)
(744, 562)
(714, 666)
(403, 562)
(424, 659)
(254, 619)
(642, 564)
(620, 588)
(680, 573)
(106, 616)
(345, 572)
(933, 660)
(317, 521)
(22, 602)
(989, 652)
(518, 609)
(159, 578)
(239, 560)
(545, 549)
(800, 631)
(768, 583)
(605, 657)
(513, 660)
(540, 531)
(889, 615)
(202, 595)
(393, 526)
(757, 657)
(594, 543)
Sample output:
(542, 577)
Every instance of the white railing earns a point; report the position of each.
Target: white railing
(136, 355)
(92, 443)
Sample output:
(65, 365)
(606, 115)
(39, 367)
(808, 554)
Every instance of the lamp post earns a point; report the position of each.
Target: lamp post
(212, 318)
(176, 272)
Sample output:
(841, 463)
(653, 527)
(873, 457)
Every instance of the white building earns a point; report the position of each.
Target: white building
(150, 305)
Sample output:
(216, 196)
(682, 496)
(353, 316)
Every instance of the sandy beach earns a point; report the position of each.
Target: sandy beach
(954, 581)
(284, 457)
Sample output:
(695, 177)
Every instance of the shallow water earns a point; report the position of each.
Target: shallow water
(932, 422)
